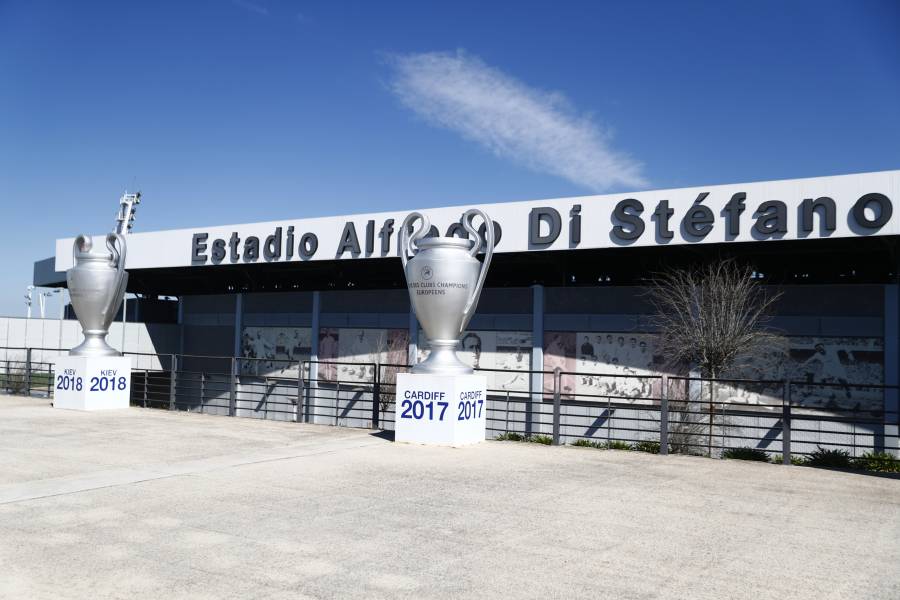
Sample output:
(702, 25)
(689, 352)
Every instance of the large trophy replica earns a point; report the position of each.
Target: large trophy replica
(94, 375)
(442, 401)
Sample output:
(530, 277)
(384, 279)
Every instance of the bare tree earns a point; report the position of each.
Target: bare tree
(712, 317)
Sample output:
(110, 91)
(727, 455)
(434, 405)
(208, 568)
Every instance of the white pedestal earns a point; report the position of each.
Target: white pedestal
(82, 383)
(446, 410)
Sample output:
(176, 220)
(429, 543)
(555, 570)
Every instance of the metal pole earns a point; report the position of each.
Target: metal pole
(507, 411)
(376, 397)
(557, 404)
(298, 407)
(62, 316)
(202, 389)
(124, 319)
(28, 371)
(232, 400)
(146, 377)
(337, 403)
(173, 366)
(786, 424)
(608, 421)
(664, 415)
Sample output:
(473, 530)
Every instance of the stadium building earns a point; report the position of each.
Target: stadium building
(564, 289)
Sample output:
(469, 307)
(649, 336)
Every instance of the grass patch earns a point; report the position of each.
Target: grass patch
(878, 462)
(746, 453)
(511, 436)
(797, 461)
(617, 445)
(583, 443)
(646, 446)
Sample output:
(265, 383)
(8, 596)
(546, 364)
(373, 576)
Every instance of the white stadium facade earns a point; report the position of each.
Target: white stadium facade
(267, 312)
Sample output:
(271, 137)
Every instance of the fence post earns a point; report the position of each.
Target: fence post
(337, 404)
(232, 396)
(664, 415)
(376, 397)
(173, 368)
(146, 377)
(557, 404)
(297, 406)
(202, 389)
(786, 424)
(28, 371)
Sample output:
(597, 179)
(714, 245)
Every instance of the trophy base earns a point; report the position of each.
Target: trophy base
(442, 360)
(440, 410)
(91, 383)
(94, 344)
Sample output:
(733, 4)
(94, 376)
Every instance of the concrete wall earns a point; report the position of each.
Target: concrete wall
(46, 336)
(828, 310)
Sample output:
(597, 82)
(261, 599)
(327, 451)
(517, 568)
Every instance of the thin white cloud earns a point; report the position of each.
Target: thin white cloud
(529, 126)
(252, 7)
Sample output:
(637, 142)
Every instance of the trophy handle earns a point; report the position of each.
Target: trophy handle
(407, 240)
(83, 243)
(115, 242)
(488, 253)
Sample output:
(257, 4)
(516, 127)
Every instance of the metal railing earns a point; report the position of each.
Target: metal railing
(666, 412)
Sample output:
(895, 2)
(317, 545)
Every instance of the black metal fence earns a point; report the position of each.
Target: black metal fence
(673, 413)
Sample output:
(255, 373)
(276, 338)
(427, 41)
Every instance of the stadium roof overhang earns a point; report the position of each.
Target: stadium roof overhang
(825, 229)
(854, 260)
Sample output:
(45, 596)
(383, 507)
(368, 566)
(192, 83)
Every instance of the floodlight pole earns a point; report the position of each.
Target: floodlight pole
(124, 223)
(28, 300)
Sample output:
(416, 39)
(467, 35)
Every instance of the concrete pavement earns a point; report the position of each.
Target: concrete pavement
(149, 504)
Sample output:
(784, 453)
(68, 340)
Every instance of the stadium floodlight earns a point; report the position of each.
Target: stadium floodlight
(127, 209)
(28, 300)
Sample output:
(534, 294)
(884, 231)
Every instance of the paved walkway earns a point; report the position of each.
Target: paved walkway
(149, 504)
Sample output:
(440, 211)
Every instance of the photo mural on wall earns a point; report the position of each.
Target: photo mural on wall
(621, 365)
(274, 351)
(601, 364)
(827, 372)
(506, 356)
(359, 350)
(277, 352)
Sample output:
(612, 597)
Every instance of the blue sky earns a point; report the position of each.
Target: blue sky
(226, 111)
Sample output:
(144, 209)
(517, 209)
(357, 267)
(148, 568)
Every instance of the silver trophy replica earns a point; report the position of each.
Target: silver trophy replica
(445, 280)
(97, 286)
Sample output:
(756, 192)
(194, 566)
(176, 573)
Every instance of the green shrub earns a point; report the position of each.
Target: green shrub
(880, 462)
(746, 453)
(511, 436)
(797, 461)
(589, 444)
(834, 458)
(617, 445)
(647, 446)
